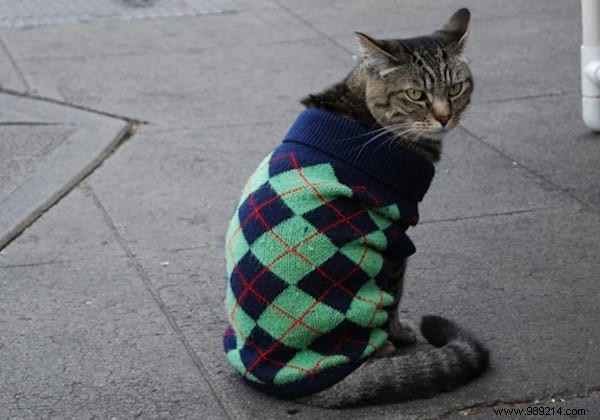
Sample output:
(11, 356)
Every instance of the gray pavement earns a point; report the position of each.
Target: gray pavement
(111, 301)
(45, 150)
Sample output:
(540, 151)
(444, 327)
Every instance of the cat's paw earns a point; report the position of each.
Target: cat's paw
(385, 350)
(402, 334)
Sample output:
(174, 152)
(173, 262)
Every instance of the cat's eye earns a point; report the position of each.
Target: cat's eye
(415, 94)
(455, 89)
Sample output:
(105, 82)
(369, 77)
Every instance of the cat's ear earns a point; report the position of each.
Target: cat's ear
(455, 32)
(375, 53)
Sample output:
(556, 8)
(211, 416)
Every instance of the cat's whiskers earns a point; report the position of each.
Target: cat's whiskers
(382, 133)
(378, 132)
(407, 131)
(367, 134)
(396, 134)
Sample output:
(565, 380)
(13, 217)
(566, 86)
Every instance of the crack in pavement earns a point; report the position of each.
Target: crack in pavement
(30, 123)
(147, 283)
(528, 97)
(584, 203)
(14, 65)
(489, 215)
(36, 97)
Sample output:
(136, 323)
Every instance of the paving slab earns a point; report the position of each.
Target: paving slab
(339, 17)
(250, 26)
(28, 13)
(547, 136)
(474, 180)
(82, 338)
(46, 149)
(73, 234)
(195, 89)
(527, 285)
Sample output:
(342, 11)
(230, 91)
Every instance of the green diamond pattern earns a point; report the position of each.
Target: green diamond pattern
(385, 216)
(323, 180)
(305, 318)
(288, 254)
(363, 312)
(371, 261)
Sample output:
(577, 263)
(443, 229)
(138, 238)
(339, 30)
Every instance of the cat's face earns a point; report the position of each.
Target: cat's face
(421, 86)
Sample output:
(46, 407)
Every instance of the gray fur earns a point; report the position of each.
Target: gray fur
(375, 94)
(458, 359)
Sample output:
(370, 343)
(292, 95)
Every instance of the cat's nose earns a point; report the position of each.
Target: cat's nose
(442, 119)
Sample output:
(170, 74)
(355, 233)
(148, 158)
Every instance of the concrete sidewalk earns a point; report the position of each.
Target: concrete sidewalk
(111, 303)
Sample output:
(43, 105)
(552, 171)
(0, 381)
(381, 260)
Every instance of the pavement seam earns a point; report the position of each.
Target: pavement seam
(555, 398)
(179, 129)
(29, 124)
(37, 97)
(313, 27)
(147, 282)
(490, 215)
(168, 53)
(35, 264)
(120, 138)
(586, 205)
(528, 97)
(14, 65)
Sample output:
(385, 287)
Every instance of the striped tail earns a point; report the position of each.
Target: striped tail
(455, 359)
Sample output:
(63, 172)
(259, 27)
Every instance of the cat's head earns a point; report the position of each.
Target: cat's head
(418, 87)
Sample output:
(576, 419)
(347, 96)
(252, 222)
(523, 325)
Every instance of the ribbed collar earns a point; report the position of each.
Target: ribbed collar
(405, 171)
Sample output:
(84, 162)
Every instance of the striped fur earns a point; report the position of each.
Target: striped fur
(455, 359)
(375, 92)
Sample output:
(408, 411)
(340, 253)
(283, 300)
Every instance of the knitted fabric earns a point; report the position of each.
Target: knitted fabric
(306, 253)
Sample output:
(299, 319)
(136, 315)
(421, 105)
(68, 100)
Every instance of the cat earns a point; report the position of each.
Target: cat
(316, 250)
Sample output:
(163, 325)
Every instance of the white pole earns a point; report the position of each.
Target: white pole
(590, 63)
(590, 20)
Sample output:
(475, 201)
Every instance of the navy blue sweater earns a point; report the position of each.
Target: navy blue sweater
(308, 247)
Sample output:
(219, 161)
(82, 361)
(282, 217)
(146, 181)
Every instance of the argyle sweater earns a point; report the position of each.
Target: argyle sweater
(308, 294)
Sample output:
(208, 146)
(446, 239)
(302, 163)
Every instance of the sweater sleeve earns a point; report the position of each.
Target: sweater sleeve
(400, 246)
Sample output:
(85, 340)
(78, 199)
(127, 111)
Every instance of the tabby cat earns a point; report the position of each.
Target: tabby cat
(317, 250)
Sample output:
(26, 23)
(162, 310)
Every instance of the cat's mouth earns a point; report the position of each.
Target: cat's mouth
(442, 130)
(417, 133)
(418, 130)
(438, 129)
